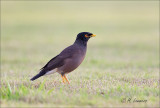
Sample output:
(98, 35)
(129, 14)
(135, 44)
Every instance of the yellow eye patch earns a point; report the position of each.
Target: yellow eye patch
(86, 36)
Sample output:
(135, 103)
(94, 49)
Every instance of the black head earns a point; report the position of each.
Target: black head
(84, 36)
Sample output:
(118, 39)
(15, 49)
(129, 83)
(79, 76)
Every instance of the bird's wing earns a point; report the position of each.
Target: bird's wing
(55, 62)
(48, 63)
(59, 60)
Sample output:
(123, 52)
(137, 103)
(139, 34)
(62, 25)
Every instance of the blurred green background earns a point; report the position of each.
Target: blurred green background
(122, 61)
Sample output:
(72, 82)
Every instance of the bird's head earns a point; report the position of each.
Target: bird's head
(84, 36)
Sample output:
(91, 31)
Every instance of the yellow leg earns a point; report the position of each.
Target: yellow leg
(63, 79)
(66, 79)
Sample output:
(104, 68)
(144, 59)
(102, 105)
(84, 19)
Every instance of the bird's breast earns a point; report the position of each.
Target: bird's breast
(73, 62)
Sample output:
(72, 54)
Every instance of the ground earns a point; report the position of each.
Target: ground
(121, 64)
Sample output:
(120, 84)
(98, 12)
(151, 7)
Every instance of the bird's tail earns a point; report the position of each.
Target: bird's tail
(37, 76)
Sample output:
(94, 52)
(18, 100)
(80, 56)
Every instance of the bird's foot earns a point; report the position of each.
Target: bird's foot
(64, 79)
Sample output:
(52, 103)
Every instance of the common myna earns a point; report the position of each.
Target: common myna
(69, 59)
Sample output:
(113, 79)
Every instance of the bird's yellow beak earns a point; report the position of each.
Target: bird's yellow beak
(93, 35)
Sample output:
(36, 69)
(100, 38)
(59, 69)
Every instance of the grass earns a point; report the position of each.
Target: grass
(122, 61)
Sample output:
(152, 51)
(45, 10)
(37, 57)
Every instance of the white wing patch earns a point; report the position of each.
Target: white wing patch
(51, 72)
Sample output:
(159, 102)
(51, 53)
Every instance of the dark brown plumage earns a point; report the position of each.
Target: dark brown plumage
(69, 59)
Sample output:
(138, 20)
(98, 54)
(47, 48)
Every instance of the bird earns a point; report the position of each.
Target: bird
(68, 60)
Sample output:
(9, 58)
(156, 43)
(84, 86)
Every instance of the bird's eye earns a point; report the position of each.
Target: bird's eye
(86, 36)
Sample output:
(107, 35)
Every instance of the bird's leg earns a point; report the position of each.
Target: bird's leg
(63, 79)
(66, 79)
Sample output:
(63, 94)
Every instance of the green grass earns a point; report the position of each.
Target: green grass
(122, 61)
